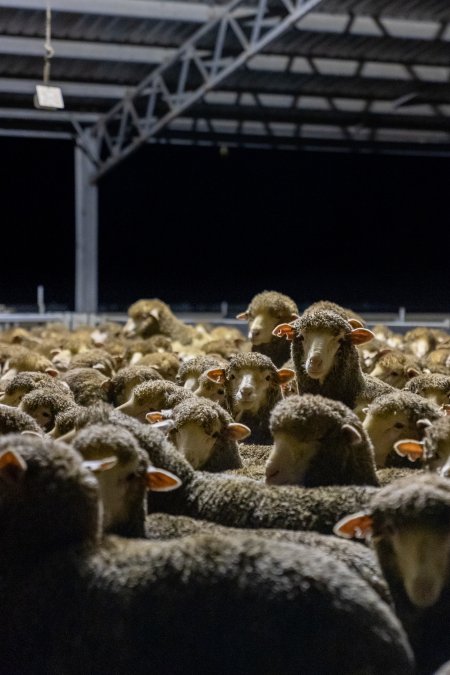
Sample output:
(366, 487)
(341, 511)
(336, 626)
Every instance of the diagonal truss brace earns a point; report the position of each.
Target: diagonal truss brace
(191, 72)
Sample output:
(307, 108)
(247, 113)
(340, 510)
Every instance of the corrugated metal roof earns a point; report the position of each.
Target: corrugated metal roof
(369, 64)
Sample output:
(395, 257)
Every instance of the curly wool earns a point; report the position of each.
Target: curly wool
(131, 375)
(14, 420)
(276, 304)
(55, 400)
(336, 462)
(160, 394)
(86, 385)
(61, 507)
(196, 366)
(420, 383)
(225, 453)
(91, 358)
(401, 401)
(166, 323)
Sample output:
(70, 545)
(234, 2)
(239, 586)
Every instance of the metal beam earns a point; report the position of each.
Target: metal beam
(200, 13)
(138, 117)
(83, 50)
(37, 133)
(86, 233)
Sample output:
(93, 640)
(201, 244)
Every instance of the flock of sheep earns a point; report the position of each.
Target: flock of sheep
(185, 499)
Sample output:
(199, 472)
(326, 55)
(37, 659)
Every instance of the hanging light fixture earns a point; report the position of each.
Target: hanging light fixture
(48, 97)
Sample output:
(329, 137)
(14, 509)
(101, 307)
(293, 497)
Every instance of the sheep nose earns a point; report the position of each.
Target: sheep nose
(246, 389)
(315, 360)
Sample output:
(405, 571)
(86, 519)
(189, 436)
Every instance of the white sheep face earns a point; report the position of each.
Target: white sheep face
(135, 408)
(319, 350)
(438, 396)
(13, 399)
(289, 460)
(194, 442)
(212, 390)
(248, 387)
(420, 347)
(423, 560)
(115, 485)
(385, 430)
(260, 328)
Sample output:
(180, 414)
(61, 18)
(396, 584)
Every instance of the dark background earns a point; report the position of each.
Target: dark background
(196, 228)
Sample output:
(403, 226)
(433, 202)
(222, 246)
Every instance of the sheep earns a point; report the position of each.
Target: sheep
(318, 441)
(94, 358)
(153, 396)
(23, 383)
(265, 311)
(124, 381)
(150, 316)
(326, 360)
(252, 385)
(394, 416)
(136, 348)
(123, 487)
(387, 336)
(395, 368)
(88, 385)
(27, 360)
(44, 404)
(242, 502)
(421, 341)
(123, 491)
(14, 420)
(192, 375)
(166, 363)
(204, 433)
(206, 600)
(408, 523)
(433, 386)
(434, 448)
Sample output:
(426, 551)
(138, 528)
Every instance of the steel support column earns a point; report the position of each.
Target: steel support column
(86, 234)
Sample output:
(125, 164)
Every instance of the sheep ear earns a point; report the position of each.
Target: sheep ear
(55, 352)
(410, 448)
(445, 407)
(243, 316)
(412, 372)
(294, 316)
(99, 366)
(216, 375)
(160, 480)
(98, 465)
(284, 330)
(164, 425)
(352, 434)
(365, 410)
(106, 385)
(31, 433)
(12, 466)
(154, 313)
(155, 416)
(285, 375)
(358, 525)
(423, 423)
(359, 336)
(356, 323)
(237, 431)
(52, 372)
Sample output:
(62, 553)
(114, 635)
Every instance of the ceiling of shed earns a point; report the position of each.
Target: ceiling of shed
(351, 74)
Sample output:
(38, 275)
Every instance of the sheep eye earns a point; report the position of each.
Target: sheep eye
(399, 425)
(46, 414)
(130, 476)
(215, 434)
(268, 378)
(388, 529)
(221, 391)
(394, 372)
(232, 377)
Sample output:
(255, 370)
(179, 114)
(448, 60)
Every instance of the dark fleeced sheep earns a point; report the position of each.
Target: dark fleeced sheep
(326, 359)
(253, 387)
(318, 441)
(204, 433)
(208, 601)
(408, 523)
(265, 311)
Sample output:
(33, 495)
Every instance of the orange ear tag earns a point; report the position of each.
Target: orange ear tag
(356, 525)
